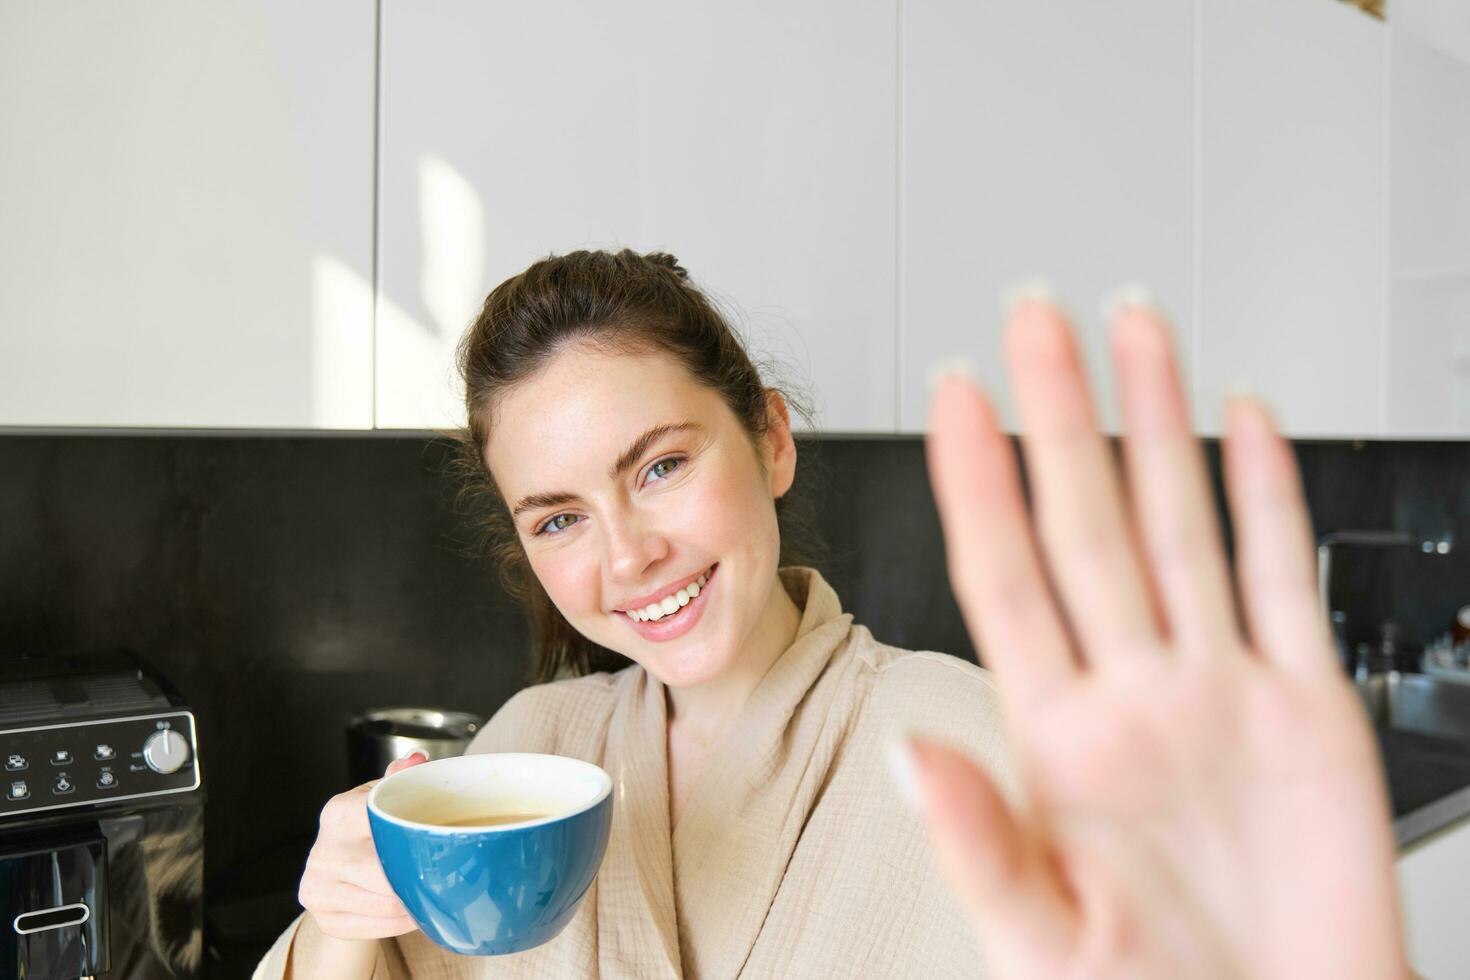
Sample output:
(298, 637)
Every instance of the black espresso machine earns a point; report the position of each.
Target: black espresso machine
(101, 822)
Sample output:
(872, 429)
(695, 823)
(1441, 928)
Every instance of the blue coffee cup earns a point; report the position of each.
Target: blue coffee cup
(485, 890)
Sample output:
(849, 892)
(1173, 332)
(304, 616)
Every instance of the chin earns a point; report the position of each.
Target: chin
(688, 668)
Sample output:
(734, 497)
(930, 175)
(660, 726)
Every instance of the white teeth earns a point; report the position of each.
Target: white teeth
(668, 605)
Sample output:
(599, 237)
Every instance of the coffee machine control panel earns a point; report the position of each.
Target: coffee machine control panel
(47, 767)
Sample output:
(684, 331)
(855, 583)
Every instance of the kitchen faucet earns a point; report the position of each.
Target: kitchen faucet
(1441, 545)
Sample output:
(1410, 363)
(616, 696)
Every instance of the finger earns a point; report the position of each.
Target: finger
(345, 926)
(345, 847)
(996, 870)
(347, 852)
(1273, 554)
(366, 870)
(415, 758)
(355, 861)
(345, 817)
(1074, 483)
(362, 901)
(990, 551)
(344, 897)
(1171, 498)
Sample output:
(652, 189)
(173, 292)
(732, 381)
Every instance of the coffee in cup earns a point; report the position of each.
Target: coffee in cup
(492, 853)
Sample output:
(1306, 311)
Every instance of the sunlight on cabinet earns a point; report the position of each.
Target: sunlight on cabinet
(341, 344)
(417, 377)
(452, 223)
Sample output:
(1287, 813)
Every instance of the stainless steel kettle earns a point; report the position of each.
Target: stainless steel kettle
(377, 737)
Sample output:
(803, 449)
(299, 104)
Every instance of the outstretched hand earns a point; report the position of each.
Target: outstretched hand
(1202, 790)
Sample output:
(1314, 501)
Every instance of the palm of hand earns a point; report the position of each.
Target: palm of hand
(1176, 799)
(1193, 803)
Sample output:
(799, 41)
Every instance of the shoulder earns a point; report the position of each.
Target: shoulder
(901, 676)
(931, 694)
(561, 716)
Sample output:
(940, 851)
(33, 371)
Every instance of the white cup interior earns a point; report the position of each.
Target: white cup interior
(547, 787)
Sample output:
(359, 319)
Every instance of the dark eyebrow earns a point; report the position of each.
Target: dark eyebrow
(625, 462)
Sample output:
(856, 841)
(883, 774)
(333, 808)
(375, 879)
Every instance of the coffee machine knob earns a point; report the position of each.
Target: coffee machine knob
(165, 751)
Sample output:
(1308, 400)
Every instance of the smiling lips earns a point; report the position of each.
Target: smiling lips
(656, 605)
(674, 614)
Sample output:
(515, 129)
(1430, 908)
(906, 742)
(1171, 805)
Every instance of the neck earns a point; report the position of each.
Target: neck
(705, 709)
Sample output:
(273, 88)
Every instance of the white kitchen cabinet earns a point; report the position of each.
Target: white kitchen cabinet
(1293, 289)
(754, 141)
(186, 226)
(1429, 357)
(1428, 344)
(1040, 139)
(1434, 883)
(1430, 161)
(1444, 24)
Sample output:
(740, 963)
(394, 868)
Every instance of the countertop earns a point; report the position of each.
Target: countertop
(1428, 782)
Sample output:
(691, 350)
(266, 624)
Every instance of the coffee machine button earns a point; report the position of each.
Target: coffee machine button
(63, 785)
(17, 790)
(165, 751)
(103, 753)
(106, 780)
(16, 763)
(61, 757)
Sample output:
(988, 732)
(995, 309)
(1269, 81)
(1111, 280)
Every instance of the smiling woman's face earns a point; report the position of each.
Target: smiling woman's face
(628, 480)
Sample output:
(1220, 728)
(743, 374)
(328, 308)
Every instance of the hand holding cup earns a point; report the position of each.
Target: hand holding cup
(343, 886)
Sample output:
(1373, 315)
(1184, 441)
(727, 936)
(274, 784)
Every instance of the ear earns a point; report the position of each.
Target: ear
(780, 447)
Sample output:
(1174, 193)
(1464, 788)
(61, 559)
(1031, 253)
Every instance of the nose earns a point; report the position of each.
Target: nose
(631, 546)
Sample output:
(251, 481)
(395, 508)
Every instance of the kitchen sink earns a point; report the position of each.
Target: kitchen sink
(1418, 703)
(1422, 726)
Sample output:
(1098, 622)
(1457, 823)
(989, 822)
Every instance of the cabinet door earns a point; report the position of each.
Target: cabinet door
(1293, 245)
(1444, 24)
(186, 231)
(1040, 139)
(1434, 883)
(755, 141)
(1429, 256)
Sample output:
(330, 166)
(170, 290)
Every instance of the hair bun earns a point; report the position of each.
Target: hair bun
(668, 262)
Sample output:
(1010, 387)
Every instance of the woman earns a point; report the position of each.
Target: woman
(639, 460)
(1195, 803)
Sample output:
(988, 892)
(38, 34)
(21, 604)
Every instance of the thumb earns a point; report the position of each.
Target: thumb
(415, 758)
(997, 870)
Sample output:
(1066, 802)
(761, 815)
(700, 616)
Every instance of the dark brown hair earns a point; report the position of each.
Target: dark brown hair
(623, 302)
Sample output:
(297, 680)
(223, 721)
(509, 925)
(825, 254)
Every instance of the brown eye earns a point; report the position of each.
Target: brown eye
(664, 467)
(557, 524)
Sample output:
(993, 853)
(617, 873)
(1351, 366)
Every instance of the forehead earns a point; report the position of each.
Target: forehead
(584, 406)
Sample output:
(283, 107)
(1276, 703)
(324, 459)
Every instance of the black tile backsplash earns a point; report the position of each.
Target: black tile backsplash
(284, 583)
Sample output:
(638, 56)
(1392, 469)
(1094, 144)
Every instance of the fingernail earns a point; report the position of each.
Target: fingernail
(945, 366)
(416, 752)
(1248, 410)
(1131, 295)
(1035, 289)
(899, 754)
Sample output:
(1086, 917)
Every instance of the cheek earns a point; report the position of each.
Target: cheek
(570, 578)
(726, 512)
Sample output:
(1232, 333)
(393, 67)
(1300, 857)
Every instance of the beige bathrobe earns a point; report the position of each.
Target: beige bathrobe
(794, 855)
